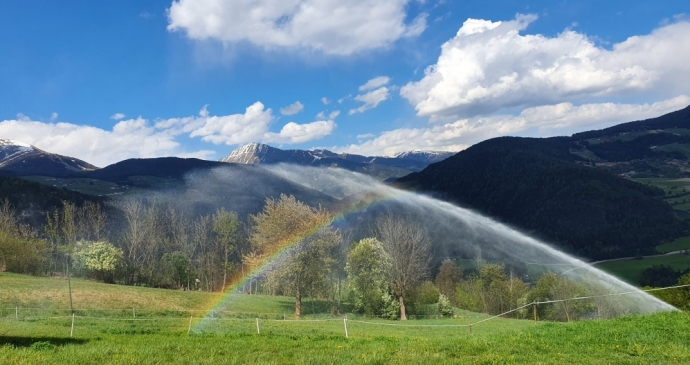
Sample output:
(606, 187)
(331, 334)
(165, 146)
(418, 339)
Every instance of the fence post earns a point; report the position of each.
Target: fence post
(190, 324)
(257, 326)
(134, 313)
(345, 324)
(71, 331)
(16, 313)
(534, 309)
(470, 326)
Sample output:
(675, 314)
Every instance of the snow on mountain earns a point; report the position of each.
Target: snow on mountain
(10, 150)
(26, 159)
(399, 165)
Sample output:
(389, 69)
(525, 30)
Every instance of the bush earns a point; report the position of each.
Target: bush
(444, 307)
(427, 293)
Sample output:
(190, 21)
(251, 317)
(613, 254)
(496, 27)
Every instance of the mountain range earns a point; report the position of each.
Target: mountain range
(24, 159)
(581, 193)
(382, 168)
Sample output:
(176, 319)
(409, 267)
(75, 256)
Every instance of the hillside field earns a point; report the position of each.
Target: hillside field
(160, 336)
(630, 270)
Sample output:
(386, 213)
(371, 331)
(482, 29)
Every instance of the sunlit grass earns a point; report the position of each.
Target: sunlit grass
(161, 337)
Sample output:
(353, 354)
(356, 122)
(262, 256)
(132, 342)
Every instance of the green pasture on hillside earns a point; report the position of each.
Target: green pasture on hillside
(162, 334)
(630, 270)
(679, 244)
(81, 185)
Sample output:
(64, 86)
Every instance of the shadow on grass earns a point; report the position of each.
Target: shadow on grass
(18, 341)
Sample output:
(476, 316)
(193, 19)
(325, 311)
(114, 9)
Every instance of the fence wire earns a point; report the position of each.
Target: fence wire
(253, 317)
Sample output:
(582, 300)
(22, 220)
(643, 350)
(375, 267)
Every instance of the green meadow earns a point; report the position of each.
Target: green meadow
(630, 270)
(160, 333)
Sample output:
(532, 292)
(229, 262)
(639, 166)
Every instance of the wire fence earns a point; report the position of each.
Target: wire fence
(194, 320)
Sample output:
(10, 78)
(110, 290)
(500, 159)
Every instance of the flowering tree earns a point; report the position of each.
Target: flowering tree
(102, 258)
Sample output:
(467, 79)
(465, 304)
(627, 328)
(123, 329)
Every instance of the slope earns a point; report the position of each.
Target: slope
(539, 186)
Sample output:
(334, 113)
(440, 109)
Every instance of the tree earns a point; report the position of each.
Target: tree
(553, 287)
(448, 278)
(404, 242)
(367, 268)
(288, 224)
(225, 226)
(141, 225)
(20, 249)
(102, 258)
(178, 266)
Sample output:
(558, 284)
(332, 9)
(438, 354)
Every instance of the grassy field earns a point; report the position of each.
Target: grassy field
(631, 270)
(115, 339)
(137, 185)
(680, 244)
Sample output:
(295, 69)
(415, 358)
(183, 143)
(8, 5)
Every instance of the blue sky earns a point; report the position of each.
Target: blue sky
(105, 81)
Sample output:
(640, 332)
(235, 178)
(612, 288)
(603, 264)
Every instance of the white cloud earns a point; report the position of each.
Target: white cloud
(132, 138)
(299, 133)
(325, 101)
(137, 138)
(371, 99)
(334, 114)
(117, 116)
(53, 116)
(232, 129)
(489, 66)
(560, 119)
(292, 109)
(375, 83)
(252, 126)
(334, 27)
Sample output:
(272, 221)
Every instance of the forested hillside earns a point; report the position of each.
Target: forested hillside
(539, 186)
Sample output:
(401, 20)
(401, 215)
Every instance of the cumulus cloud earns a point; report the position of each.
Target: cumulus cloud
(325, 101)
(489, 66)
(252, 126)
(332, 115)
(139, 138)
(559, 119)
(117, 116)
(133, 138)
(334, 27)
(292, 109)
(375, 83)
(299, 133)
(371, 99)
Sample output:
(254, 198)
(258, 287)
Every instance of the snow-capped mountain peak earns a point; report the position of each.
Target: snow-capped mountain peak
(10, 150)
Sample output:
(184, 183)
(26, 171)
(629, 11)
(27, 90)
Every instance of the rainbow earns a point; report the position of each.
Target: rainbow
(225, 300)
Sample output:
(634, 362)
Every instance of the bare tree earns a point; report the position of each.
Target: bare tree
(95, 218)
(141, 225)
(226, 226)
(408, 250)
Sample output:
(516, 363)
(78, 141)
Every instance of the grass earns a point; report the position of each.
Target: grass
(660, 338)
(631, 270)
(680, 244)
(140, 184)
(81, 185)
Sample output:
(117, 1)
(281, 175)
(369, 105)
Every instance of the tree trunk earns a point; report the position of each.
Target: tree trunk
(403, 317)
(298, 305)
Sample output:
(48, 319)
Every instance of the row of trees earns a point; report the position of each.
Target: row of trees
(289, 248)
